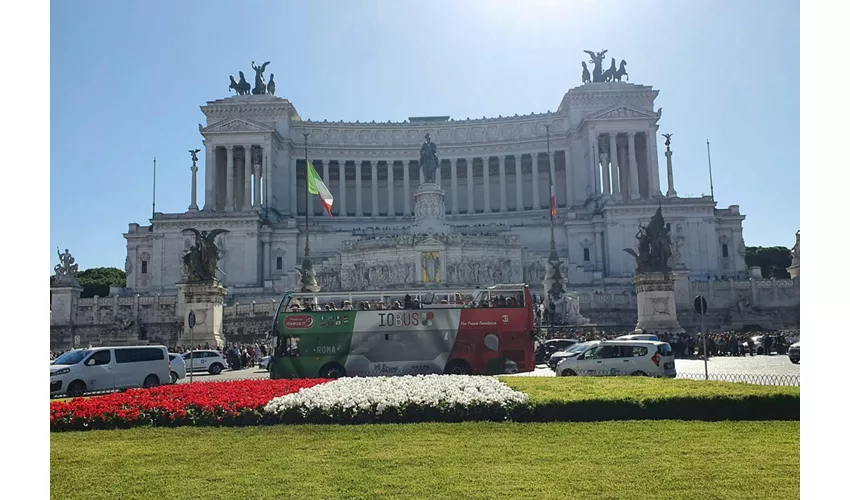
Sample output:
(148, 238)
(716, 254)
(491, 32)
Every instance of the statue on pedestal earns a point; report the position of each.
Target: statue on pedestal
(428, 160)
(654, 246)
(66, 270)
(259, 81)
(201, 261)
(596, 58)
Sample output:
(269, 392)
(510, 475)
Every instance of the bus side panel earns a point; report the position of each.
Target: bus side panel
(505, 329)
(321, 338)
(400, 342)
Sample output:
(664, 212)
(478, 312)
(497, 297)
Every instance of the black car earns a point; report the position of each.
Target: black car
(549, 347)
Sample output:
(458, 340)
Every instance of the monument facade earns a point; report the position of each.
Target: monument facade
(491, 174)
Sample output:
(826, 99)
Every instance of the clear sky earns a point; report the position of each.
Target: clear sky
(127, 80)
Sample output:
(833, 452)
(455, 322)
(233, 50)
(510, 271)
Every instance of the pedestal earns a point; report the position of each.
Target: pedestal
(62, 298)
(656, 301)
(430, 210)
(206, 300)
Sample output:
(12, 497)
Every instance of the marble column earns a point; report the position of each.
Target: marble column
(652, 162)
(470, 188)
(343, 208)
(520, 206)
(485, 163)
(293, 185)
(246, 197)
(623, 161)
(326, 178)
(268, 173)
(406, 186)
(568, 193)
(228, 202)
(606, 173)
(671, 191)
(535, 183)
(390, 188)
(358, 189)
(634, 183)
(238, 181)
(503, 187)
(615, 166)
(597, 236)
(193, 204)
(209, 176)
(453, 171)
(375, 210)
(592, 145)
(258, 169)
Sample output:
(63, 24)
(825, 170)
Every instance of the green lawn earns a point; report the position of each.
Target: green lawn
(629, 460)
(637, 388)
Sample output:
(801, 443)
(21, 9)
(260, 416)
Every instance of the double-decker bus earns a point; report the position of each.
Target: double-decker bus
(329, 335)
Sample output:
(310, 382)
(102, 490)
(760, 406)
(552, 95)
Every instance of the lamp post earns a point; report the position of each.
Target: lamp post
(308, 276)
(553, 271)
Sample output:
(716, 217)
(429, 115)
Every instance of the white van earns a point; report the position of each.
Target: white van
(106, 368)
(638, 336)
(621, 357)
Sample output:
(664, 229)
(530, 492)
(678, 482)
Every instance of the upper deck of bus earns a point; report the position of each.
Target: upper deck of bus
(504, 295)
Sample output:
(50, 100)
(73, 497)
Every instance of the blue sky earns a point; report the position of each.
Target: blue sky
(127, 80)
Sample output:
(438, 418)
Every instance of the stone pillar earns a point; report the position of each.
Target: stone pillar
(535, 183)
(592, 145)
(209, 172)
(343, 210)
(634, 183)
(268, 174)
(358, 189)
(438, 174)
(453, 171)
(258, 195)
(520, 206)
(606, 174)
(470, 188)
(375, 211)
(615, 166)
(246, 197)
(238, 180)
(671, 191)
(293, 185)
(326, 178)
(228, 202)
(503, 187)
(568, 193)
(656, 301)
(390, 188)
(207, 301)
(485, 161)
(597, 236)
(193, 205)
(652, 163)
(406, 188)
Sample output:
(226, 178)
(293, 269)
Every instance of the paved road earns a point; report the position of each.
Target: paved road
(729, 366)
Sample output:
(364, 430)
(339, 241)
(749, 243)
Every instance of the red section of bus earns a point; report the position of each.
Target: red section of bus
(511, 328)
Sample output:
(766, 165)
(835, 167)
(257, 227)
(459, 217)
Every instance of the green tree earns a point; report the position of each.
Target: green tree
(97, 280)
(773, 261)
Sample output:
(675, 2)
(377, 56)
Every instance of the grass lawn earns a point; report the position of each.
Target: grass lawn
(638, 388)
(605, 460)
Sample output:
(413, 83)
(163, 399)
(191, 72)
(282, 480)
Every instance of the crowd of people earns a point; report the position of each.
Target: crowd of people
(409, 302)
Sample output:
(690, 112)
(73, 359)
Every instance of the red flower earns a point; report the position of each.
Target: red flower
(206, 402)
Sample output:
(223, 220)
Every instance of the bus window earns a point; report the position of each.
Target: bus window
(288, 346)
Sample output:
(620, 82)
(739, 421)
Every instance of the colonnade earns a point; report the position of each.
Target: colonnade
(239, 184)
(383, 185)
(625, 169)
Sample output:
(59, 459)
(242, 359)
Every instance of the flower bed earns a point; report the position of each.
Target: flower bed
(445, 398)
(238, 402)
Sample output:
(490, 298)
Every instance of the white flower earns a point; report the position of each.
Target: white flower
(376, 395)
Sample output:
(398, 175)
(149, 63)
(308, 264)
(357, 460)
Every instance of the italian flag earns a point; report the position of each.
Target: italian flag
(552, 206)
(316, 186)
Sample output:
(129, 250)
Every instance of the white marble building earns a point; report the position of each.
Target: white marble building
(604, 165)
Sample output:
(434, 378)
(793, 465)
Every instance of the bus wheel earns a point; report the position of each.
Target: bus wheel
(332, 370)
(457, 367)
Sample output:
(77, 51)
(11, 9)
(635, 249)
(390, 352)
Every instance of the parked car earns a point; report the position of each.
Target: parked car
(573, 350)
(205, 361)
(108, 368)
(621, 357)
(638, 336)
(794, 353)
(548, 347)
(178, 367)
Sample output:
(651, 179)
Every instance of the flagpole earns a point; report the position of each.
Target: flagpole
(153, 208)
(308, 279)
(554, 272)
(710, 178)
